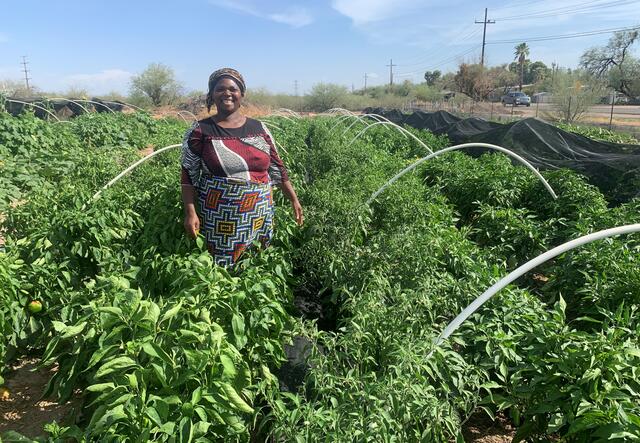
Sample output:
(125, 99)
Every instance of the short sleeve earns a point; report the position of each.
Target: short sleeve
(191, 160)
(277, 171)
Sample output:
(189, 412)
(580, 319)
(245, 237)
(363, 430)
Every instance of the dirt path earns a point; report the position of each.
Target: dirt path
(479, 428)
(24, 411)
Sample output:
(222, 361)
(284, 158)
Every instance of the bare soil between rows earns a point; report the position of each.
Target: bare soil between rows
(27, 413)
(24, 410)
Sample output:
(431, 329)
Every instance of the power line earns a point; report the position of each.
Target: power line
(568, 10)
(518, 5)
(485, 22)
(425, 57)
(564, 36)
(562, 8)
(444, 61)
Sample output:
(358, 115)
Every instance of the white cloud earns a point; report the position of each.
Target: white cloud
(236, 6)
(100, 83)
(367, 11)
(294, 16)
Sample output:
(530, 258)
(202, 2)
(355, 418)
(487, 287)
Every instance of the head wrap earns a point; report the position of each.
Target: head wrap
(217, 75)
(227, 72)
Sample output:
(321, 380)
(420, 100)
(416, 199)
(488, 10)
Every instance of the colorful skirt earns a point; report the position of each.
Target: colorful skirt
(235, 213)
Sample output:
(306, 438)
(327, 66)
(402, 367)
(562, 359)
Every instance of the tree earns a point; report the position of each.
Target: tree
(324, 96)
(431, 77)
(521, 53)
(614, 63)
(472, 80)
(16, 89)
(478, 82)
(427, 93)
(155, 85)
(573, 93)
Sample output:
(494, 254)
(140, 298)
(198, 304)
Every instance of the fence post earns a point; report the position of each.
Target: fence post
(613, 101)
(569, 110)
(491, 117)
(537, 105)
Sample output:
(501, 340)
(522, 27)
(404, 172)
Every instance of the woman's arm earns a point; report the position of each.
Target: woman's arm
(290, 193)
(279, 177)
(191, 160)
(191, 220)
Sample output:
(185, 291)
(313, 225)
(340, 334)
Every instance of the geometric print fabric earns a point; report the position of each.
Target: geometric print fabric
(235, 214)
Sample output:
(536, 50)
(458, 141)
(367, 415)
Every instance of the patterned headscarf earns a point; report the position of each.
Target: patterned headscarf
(227, 72)
(219, 74)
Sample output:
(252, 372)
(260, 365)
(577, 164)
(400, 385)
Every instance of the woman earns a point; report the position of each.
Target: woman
(230, 162)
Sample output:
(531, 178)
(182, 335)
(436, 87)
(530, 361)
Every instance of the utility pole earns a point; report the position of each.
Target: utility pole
(391, 65)
(484, 34)
(295, 87)
(365, 82)
(26, 72)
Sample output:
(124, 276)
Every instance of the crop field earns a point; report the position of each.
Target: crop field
(156, 343)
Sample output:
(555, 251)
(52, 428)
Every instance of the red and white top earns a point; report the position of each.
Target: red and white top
(247, 153)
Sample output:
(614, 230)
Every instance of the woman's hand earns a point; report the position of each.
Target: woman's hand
(191, 220)
(191, 223)
(297, 211)
(289, 192)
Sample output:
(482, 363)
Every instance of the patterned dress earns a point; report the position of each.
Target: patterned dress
(232, 170)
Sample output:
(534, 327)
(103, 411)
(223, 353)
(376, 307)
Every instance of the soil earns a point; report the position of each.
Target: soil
(148, 150)
(25, 411)
(480, 428)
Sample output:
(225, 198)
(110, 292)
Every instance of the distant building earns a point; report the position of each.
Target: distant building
(542, 97)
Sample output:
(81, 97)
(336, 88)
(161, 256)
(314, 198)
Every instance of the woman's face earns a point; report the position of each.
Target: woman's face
(227, 96)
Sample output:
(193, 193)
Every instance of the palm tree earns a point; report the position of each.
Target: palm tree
(522, 51)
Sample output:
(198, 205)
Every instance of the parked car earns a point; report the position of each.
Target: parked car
(516, 98)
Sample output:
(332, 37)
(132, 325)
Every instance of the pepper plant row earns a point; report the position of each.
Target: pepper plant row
(163, 345)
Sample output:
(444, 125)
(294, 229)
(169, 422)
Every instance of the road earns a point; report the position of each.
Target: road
(629, 114)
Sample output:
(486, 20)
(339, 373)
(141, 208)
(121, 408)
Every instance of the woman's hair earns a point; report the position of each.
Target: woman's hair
(219, 74)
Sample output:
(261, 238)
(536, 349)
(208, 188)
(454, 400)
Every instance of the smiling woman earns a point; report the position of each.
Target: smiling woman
(230, 162)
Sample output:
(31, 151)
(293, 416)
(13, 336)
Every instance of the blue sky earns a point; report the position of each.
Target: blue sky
(98, 45)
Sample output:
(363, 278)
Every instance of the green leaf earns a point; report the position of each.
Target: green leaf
(171, 312)
(115, 365)
(186, 430)
(229, 369)
(111, 310)
(156, 351)
(635, 352)
(99, 354)
(154, 416)
(168, 428)
(201, 428)
(72, 331)
(237, 324)
(58, 326)
(99, 387)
